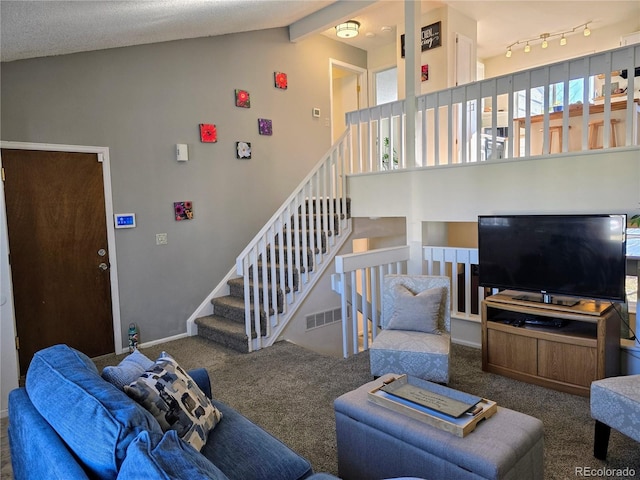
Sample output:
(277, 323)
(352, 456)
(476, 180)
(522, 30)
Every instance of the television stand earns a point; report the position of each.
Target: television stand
(581, 344)
(548, 299)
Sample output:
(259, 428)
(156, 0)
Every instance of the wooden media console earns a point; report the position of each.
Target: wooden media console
(580, 344)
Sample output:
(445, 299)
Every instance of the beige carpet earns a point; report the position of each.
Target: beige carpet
(289, 391)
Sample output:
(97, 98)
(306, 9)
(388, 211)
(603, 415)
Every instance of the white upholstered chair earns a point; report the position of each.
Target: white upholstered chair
(615, 403)
(423, 352)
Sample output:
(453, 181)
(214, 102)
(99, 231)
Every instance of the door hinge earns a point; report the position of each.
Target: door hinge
(17, 343)
(3, 174)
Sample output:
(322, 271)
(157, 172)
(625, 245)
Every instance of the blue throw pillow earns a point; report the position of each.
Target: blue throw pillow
(128, 370)
(152, 456)
(96, 420)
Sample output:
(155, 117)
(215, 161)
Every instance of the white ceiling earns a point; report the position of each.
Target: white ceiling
(35, 28)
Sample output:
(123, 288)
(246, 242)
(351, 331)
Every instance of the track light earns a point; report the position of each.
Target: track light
(544, 38)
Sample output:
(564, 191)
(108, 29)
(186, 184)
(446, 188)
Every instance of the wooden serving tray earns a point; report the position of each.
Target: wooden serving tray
(460, 426)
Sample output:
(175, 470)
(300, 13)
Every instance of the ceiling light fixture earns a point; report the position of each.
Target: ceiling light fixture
(543, 38)
(348, 29)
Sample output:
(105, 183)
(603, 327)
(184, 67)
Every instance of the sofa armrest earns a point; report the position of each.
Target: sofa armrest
(36, 449)
(201, 377)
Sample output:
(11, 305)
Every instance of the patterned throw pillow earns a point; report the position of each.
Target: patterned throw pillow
(128, 370)
(176, 401)
(419, 312)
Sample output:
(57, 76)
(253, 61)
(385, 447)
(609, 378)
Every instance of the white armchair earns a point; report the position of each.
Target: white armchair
(416, 328)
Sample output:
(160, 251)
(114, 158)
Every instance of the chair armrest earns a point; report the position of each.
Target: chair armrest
(201, 377)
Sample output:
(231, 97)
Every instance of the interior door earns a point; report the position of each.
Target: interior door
(58, 251)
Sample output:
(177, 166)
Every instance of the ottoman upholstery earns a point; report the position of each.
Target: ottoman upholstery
(615, 403)
(375, 442)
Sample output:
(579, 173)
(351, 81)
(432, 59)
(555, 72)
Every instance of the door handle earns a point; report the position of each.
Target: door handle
(103, 266)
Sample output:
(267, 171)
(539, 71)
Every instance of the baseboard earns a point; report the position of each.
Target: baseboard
(163, 340)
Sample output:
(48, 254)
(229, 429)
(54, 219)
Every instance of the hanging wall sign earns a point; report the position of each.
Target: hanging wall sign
(429, 38)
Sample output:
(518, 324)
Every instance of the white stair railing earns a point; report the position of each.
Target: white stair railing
(285, 258)
(358, 275)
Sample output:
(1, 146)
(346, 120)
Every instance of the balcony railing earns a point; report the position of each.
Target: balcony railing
(543, 111)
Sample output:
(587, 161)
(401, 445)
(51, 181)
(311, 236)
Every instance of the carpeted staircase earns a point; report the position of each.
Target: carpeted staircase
(226, 325)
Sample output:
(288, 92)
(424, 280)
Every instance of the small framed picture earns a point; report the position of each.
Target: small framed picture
(183, 210)
(208, 133)
(280, 80)
(243, 99)
(265, 126)
(243, 150)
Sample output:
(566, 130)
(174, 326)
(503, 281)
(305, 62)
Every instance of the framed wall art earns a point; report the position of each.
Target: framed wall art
(243, 150)
(265, 126)
(208, 133)
(243, 99)
(280, 80)
(183, 210)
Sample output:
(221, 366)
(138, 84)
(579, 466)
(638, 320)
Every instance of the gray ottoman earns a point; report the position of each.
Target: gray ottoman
(375, 442)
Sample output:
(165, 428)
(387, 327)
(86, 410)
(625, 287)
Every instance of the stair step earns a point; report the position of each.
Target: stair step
(236, 289)
(232, 308)
(321, 221)
(287, 253)
(224, 332)
(324, 203)
(323, 239)
(295, 272)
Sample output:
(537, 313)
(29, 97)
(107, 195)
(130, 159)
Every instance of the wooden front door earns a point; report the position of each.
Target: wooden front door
(58, 251)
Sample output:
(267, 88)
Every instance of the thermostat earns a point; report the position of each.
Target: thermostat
(125, 220)
(316, 112)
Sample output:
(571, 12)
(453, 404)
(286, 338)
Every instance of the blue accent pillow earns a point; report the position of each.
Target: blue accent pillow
(95, 419)
(176, 401)
(128, 370)
(153, 456)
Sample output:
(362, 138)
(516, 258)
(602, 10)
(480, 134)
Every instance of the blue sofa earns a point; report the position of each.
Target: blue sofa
(69, 423)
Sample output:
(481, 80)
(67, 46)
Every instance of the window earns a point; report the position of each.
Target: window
(556, 96)
(386, 85)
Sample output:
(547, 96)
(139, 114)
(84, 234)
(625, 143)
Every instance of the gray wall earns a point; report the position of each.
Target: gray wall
(140, 101)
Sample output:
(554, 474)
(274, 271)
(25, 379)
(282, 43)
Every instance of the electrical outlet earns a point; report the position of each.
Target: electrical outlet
(161, 238)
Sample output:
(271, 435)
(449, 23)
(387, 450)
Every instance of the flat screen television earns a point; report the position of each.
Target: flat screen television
(578, 256)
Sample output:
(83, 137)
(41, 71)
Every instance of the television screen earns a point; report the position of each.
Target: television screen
(573, 255)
